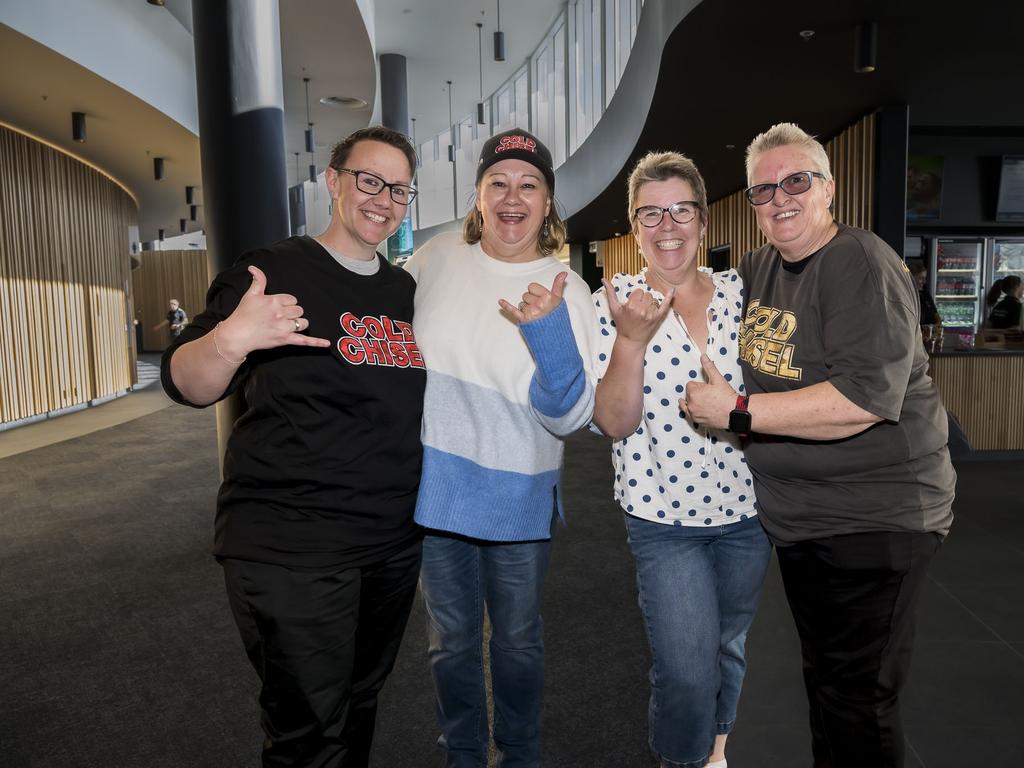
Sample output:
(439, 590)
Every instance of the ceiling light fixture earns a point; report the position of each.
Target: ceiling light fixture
(342, 102)
(158, 168)
(155, 2)
(160, 235)
(181, 224)
(499, 39)
(310, 145)
(806, 35)
(451, 128)
(865, 52)
(190, 195)
(78, 126)
(192, 211)
(480, 59)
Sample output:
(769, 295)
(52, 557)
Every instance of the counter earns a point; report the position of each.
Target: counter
(984, 390)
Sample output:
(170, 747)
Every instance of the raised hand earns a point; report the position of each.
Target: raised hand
(638, 318)
(264, 321)
(537, 302)
(709, 403)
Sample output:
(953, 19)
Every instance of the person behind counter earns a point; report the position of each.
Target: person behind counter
(503, 386)
(851, 468)
(685, 489)
(929, 312)
(1005, 299)
(314, 525)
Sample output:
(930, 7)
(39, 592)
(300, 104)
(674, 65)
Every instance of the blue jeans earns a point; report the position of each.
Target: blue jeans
(698, 590)
(458, 578)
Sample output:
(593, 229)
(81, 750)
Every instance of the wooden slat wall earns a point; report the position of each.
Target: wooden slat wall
(731, 219)
(166, 275)
(986, 395)
(65, 331)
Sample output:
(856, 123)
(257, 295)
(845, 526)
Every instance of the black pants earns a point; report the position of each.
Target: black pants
(853, 599)
(323, 643)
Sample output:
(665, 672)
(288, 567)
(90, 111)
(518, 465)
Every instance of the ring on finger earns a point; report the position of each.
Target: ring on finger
(298, 325)
(522, 305)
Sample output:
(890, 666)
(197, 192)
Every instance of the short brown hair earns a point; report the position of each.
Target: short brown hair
(389, 136)
(662, 166)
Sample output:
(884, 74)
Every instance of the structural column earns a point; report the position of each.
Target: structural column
(891, 138)
(241, 136)
(394, 113)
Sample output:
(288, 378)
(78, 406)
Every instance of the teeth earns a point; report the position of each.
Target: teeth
(787, 214)
(668, 245)
(511, 215)
(375, 218)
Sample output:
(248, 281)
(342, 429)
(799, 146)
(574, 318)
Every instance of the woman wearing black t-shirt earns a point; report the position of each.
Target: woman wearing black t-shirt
(1006, 312)
(314, 524)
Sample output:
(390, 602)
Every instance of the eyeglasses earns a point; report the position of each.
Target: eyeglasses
(794, 184)
(681, 213)
(372, 184)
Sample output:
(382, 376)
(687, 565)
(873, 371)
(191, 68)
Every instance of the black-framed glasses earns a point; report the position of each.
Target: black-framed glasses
(794, 184)
(681, 213)
(372, 184)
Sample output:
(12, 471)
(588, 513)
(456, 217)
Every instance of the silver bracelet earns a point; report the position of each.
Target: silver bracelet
(221, 354)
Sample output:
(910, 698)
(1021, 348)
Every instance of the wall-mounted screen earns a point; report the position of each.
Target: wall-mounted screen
(924, 187)
(1010, 207)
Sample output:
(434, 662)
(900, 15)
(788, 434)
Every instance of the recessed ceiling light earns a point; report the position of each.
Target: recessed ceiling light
(730, 146)
(806, 34)
(155, 2)
(343, 102)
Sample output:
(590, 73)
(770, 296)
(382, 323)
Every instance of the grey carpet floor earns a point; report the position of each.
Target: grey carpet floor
(117, 648)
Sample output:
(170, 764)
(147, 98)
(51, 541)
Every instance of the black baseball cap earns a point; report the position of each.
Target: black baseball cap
(517, 144)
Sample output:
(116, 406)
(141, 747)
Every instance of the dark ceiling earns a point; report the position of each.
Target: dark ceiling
(734, 67)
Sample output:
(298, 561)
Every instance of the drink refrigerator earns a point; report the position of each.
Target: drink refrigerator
(960, 272)
(958, 278)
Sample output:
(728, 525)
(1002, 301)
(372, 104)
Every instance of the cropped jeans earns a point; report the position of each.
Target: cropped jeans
(698, 590)
(458, 578)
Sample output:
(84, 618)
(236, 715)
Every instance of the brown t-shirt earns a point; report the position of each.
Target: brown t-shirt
(849, 317)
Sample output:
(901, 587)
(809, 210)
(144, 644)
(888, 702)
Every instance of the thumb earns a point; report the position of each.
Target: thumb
(610, 296)
(558, 286)
(259, 282)
(666, 303)
(711, 370)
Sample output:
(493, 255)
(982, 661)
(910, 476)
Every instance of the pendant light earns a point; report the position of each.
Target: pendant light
(451, 128)
(480, 61)
(78, 126)
(499, 39)
(310, 144)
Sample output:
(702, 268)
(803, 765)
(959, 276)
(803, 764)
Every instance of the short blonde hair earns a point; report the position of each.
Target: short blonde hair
(662, 166)
(788, 135)
(552, 242)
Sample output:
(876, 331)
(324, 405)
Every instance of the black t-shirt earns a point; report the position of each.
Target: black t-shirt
(850, 317)
(322, 467)
(1006, 313)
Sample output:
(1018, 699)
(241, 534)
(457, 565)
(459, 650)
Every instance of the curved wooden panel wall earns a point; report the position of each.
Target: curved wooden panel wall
(65, 287)
(160, 277)
(731, 219)
(985, 395)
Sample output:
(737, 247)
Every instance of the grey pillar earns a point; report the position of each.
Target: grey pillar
(241, 137)
(891, 132)
(394, 95)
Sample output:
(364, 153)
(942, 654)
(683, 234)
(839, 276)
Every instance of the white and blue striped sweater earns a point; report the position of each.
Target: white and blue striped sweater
(499, 398)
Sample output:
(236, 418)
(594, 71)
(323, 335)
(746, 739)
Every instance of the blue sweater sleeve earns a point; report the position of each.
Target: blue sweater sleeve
(559, 386)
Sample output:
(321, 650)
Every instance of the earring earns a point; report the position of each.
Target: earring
(545, 230)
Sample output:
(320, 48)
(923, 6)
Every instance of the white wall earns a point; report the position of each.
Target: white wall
(139, 47)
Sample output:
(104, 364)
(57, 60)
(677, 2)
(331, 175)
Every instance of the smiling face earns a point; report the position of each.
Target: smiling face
(669, 248)
(513, 201)
(799, 224)
(364, 220)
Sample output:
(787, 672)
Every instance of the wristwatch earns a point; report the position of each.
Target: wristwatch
(739, 417)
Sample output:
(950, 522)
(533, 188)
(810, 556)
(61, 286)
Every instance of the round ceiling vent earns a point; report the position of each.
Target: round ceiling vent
(343, 102)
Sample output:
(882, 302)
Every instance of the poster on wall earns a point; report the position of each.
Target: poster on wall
(924, 187)
(1010, 207)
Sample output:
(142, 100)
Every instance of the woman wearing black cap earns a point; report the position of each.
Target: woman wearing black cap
(503, 385)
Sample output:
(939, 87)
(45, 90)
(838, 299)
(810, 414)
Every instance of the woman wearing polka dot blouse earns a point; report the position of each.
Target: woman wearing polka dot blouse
(700, 551)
